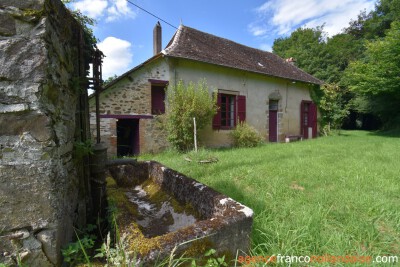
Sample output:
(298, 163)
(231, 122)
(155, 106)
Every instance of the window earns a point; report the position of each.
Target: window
(157, 99)
(273, 104)
(228, 108)
(232, 108)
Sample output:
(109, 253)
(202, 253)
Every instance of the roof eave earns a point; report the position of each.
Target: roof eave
(243, 69)
(122, 76)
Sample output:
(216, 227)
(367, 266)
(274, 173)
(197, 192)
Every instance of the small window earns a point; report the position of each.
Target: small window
(273, 105)
(157, 99)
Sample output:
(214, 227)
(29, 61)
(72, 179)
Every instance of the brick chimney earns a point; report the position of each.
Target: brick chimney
(291, 61)
(157, 39)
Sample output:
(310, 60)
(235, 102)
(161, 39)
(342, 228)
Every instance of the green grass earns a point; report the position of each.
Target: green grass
(337, 195)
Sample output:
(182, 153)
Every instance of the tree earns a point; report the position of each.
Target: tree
(376, 78)
(110, 79)
(85, 22)
(185, 102)
(373, 25)
(307, 47)
(332, 107)
(341, 49)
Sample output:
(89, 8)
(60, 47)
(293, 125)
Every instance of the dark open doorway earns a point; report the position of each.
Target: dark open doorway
(127, 137)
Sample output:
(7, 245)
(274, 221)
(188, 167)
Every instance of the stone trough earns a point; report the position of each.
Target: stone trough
(159, 210)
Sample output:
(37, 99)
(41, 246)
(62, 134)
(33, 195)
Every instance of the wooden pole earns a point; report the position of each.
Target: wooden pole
(195, 135)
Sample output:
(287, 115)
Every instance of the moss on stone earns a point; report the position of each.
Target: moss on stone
(30, 15)
(127, 213)
(45, 156)
(199, 247)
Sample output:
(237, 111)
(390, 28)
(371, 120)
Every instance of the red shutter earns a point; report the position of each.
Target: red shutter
(241, 104)
(157, 100)
(313, 119)
(217, 117)
(302, 132)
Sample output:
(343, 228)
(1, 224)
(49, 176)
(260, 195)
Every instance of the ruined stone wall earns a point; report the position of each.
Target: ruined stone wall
(131, 95)
(40, 65)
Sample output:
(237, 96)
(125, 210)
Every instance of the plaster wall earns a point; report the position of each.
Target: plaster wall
(256, 87)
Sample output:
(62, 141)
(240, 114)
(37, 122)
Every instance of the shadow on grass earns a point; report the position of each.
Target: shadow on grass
(393, 133)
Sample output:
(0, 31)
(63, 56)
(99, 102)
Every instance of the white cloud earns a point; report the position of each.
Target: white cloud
(283, 16)
(118, 9)
(110, 10)
(257, 30)
(117, 58)
(91, 8)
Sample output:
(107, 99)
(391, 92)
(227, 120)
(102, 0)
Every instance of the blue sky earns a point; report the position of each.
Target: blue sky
(125, 32)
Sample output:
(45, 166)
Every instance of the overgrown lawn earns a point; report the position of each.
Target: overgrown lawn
(337, 195)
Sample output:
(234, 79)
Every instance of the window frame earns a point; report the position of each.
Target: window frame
(237, 104)
(230, 111)
(157, 89)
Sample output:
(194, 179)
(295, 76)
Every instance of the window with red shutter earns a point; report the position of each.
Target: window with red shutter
(231, 108)
(157, 100)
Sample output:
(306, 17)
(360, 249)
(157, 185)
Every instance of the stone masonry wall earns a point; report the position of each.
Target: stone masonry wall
(39, 186)
(132, 96)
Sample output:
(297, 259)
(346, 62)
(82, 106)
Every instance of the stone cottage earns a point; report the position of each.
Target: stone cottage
(255, 86)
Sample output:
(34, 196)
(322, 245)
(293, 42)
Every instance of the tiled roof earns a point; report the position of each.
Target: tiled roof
(193, 44)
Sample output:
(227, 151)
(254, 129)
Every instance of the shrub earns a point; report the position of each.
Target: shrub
(183, 104)
(245, 135)
(332, 107)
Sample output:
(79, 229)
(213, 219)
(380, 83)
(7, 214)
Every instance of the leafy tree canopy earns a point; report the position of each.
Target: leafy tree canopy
(363, 58)
(86, 23)
(375, 79)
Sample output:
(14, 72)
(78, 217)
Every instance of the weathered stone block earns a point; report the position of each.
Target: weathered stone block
(31, 4)
(30, 55)
(48, 239)
(18, 123)
(17, 190)
(13, 108)
(7, 24)
(19, 92)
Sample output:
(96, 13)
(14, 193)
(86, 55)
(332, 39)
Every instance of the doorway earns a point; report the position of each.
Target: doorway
(127, 137)
(273, 121)
(308, 119)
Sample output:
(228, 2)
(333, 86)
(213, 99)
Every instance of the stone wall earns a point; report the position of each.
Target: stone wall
(131, 95)
(42, 188)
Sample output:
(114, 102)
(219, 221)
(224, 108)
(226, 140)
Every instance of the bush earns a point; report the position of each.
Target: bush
(332, 107)
(183, 104)
(245, 135)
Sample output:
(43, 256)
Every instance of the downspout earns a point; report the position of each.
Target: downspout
(286, 105)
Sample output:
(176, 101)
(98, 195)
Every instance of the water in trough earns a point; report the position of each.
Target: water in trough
(158, 213)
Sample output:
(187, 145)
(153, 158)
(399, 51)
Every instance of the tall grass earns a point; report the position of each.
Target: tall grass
(337, 195)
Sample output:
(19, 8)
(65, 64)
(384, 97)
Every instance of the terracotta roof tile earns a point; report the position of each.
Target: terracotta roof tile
(193, 44)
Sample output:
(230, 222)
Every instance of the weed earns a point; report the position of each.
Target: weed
(245, 135)
(77, 252)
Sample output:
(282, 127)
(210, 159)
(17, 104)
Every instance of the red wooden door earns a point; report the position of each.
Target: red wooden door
(273, 126)
(308, 119)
